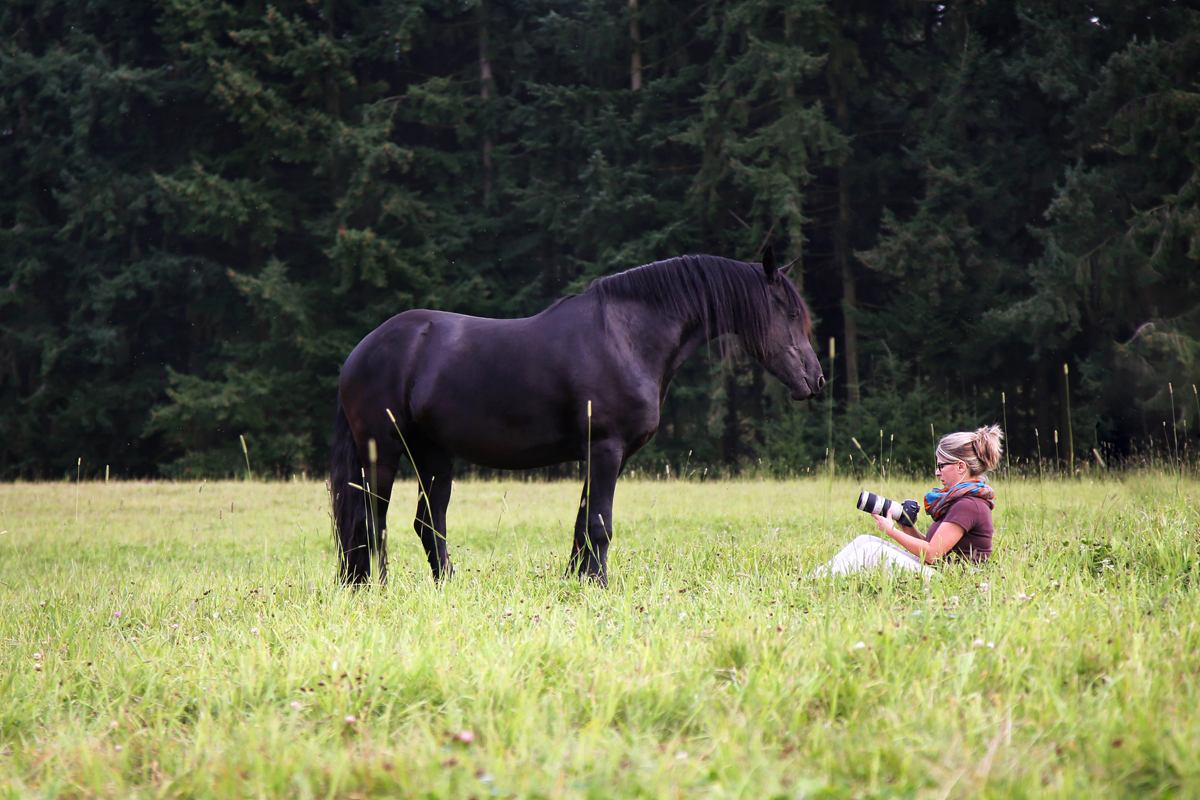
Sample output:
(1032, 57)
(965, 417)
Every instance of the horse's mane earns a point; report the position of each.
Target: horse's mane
(719, 292)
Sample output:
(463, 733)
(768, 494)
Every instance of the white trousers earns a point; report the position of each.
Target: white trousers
(871, 552)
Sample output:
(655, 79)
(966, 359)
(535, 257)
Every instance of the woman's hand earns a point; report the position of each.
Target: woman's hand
(886, 525)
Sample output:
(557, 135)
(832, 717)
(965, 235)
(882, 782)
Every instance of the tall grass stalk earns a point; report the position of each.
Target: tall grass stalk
(1038, 439)
(1175, 437)
(373, 499)
(587, 485)
(882, 465)
(1057, 458)
(422, 490)
(1070, 422)
(246, 453)
(829, 453)
(1004, 411)
(866, 458)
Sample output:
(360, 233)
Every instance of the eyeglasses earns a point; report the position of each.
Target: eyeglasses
(942, 464)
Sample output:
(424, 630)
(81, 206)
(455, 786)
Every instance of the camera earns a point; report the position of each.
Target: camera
(904, 513)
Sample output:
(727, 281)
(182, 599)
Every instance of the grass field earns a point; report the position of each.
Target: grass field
(187, 640)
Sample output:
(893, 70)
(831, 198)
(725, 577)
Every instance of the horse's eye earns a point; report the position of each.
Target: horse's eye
(794, 315)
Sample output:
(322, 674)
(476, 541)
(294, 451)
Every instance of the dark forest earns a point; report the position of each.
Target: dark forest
(993, 208)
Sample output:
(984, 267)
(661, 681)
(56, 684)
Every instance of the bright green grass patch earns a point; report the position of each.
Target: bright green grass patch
(711, 667)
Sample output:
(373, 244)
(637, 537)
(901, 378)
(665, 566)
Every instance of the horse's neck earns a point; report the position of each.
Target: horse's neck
(665, 344)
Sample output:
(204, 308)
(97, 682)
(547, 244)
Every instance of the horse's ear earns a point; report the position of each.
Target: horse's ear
(784, 269)
(772, 272)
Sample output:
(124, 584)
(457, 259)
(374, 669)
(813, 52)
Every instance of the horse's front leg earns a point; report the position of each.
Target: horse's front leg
(593, 524)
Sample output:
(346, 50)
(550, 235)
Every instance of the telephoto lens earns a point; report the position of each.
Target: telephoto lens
(904, 513)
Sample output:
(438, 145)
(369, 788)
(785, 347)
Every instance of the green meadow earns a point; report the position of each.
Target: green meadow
(188, 640)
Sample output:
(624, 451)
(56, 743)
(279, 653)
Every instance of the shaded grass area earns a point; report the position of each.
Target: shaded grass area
(187, 640)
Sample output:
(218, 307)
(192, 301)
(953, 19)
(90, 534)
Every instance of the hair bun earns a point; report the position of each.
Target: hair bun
(987, 445)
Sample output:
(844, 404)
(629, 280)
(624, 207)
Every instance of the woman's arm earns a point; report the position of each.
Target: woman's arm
(947, 535)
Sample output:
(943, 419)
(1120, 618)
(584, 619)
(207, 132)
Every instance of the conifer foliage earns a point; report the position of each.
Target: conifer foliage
(207, 204)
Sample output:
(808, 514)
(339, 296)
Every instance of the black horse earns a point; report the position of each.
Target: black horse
(582, 381)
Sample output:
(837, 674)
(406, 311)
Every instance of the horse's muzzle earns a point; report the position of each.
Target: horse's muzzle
(811, 388)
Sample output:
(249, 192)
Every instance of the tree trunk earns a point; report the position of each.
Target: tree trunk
(841, 244)
(635, 33)
(485, 92)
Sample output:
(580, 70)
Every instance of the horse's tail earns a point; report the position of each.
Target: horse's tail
(349, 503)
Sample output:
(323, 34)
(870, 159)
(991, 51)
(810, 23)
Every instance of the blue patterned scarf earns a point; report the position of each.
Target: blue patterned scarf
(938, 501)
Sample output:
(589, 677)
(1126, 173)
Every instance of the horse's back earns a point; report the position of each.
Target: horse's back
(507, 393)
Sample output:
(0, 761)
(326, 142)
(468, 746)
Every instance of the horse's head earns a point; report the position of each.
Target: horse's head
(788, 353)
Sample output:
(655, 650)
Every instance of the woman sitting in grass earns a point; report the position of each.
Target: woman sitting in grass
(961, 511)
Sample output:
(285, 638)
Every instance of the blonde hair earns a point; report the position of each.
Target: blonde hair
(980, 450)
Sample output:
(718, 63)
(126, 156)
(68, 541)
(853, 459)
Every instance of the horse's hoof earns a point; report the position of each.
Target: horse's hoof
(598, 578)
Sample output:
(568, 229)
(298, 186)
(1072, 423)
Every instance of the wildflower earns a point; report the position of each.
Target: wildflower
(37, 656)
(465, 736)
(175, 627)
(216, 614)
(350, 719)
(977, 643)
(254, 631)
(1022, 596)
(117, 615)
(296, 704)
(42, 604)
(859, 645)
(983, 587)
(952, 599)
(118, 748)
(681, 756)
(112, 726)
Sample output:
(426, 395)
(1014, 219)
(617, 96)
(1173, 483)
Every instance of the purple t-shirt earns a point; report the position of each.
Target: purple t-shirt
(975, 518)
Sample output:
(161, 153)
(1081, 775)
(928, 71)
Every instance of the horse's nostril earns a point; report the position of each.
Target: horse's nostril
(820, 382)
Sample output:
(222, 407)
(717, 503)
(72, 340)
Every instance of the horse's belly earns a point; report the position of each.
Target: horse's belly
(501, 450)
(484, 434)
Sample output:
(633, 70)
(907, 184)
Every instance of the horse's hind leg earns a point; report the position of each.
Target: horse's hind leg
(435, 474)
(377, 477)
(593, 524)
